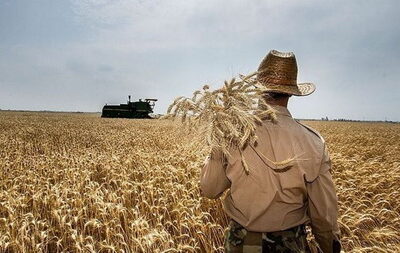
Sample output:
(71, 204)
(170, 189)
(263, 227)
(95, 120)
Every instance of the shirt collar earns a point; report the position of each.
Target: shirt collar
(281, 110)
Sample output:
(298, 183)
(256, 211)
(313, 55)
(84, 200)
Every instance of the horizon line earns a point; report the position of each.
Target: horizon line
(310, 119)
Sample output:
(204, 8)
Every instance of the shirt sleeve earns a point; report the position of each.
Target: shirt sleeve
(323, 208)
(213, 180)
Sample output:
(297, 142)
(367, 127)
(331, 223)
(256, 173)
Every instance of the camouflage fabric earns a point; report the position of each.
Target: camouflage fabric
(239, 240)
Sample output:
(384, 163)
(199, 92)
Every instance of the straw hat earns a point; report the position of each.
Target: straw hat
(278, 73)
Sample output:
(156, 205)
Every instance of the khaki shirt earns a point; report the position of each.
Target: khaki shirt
(272, 198)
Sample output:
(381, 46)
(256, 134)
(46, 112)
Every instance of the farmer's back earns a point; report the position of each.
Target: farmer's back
(273, 197)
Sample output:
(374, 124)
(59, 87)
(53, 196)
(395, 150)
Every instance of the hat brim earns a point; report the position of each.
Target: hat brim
(301, 89)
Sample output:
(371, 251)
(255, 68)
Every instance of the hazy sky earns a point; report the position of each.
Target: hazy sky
(78, 55)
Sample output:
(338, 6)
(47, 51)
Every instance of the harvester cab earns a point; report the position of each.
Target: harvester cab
(151, 102)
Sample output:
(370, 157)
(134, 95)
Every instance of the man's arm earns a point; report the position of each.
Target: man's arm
(323, 209)
(213, 180)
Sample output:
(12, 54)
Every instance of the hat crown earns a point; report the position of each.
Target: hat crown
(278, 68)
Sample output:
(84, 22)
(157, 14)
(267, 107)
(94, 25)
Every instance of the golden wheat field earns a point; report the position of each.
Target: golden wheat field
(80, 183)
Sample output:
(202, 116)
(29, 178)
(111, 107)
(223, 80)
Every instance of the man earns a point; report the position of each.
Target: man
(270, 206)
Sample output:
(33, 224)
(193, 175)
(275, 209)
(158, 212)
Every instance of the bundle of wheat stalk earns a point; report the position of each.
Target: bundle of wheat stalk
(226, 118)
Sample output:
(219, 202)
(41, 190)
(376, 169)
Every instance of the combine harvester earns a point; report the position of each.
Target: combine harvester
(133, 110)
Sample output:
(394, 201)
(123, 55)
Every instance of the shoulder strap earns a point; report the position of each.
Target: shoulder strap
(325, 148)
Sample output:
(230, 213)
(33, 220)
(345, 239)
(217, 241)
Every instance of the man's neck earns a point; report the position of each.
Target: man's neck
(281, 102)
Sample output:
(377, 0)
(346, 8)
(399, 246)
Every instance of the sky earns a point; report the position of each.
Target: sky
(77, 55)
